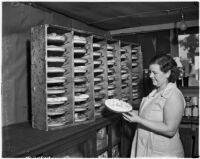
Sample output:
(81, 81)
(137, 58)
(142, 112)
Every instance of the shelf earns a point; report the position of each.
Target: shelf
(102, 150)
(72, 54)
(190, 120)
(190, 91)
(21, 140)
(116, 143)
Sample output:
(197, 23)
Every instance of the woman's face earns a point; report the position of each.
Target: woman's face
(158, 77)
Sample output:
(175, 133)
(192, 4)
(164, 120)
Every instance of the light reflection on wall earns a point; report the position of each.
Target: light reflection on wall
(189, 56)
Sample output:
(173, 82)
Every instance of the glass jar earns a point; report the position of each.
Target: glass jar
(188, 110)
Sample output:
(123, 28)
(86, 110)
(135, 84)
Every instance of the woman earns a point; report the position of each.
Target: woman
(160, 113)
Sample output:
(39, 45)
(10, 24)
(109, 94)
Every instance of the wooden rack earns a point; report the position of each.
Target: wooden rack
(74, 72)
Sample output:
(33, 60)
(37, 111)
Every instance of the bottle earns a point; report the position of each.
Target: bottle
(179, 81)
(195, 110)
(188, 110)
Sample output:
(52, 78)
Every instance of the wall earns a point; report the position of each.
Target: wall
(17, 21)
(152, 43)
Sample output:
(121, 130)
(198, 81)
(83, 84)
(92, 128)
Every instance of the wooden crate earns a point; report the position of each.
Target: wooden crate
(137, 84)
(53, 99)
(100, 78)
(126, 73)
(73, 72)
(114, 69)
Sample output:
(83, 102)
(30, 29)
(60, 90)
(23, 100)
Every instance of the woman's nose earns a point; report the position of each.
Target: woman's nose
(151, 75)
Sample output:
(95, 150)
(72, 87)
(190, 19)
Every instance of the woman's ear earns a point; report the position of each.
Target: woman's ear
(168, 73)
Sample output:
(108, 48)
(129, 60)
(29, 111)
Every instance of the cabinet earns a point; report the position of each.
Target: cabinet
(73, 72)
(137, 75)
(21, 140)
(100, 78)
(114, 75)
(189, 128)
(62, 77)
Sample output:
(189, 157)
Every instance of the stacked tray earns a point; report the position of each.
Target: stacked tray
(56, 79)
(125, 73)
(135, 76)
(111, 71)
(74, 72)
(99, 74)
(81, 81)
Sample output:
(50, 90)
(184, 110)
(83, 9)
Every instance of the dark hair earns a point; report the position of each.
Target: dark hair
(166, 63)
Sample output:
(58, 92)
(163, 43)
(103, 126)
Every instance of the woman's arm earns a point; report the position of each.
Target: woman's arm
(173, 111)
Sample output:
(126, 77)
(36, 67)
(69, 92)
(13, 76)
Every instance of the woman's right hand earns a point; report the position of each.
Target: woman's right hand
(131, 116)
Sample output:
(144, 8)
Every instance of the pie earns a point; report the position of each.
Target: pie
(134, 57)
(134, 51)
(56, 37)
(55, 59)
(57, 111)
(96, 45)
(55, 79)
(55, 48)
(117, 105)
(81, 98)
(110, 47)
(57, 99)
(59, 121)
(134, 64)
(55, 69)
(80, 117)
(49, 91)
(122, 50)
(97, 54)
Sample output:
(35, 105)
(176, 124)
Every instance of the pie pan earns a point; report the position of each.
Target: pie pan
(97, 62)
(81, 98)
(110, 47)
(55, 48)
(134, 64)
(79, 50)
(98, 54)
(118, 106)
(56, 111)
(80, 61)
(55, 59)
(55, 91)
(56, 80)
(98, 70)
(134, 50)
(97, 104)
(96, 45)
(55, 69)
(134, 57)
(55, 37)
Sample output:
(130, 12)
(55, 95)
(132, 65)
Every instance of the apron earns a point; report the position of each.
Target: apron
(149, 144)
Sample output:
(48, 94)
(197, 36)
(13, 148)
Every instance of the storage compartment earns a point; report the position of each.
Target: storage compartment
(74, 72)
(114, 69)
(62, 77)
(100, 74)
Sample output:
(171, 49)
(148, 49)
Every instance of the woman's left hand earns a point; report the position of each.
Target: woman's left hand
(131, 116)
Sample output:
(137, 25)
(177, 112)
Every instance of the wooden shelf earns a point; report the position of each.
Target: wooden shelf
(21, 140)
(116, 143)
(190, 120)
(74, 71)
(102, 150)
(190, 91)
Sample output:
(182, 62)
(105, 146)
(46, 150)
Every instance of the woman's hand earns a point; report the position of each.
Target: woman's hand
(131, 116)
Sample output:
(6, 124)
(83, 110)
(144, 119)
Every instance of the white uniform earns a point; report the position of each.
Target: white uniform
(150, 144)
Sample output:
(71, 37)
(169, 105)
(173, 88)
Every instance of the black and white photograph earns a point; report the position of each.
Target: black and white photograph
(100, 79)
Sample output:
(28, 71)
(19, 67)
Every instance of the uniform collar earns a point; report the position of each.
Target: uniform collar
(166, 92)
